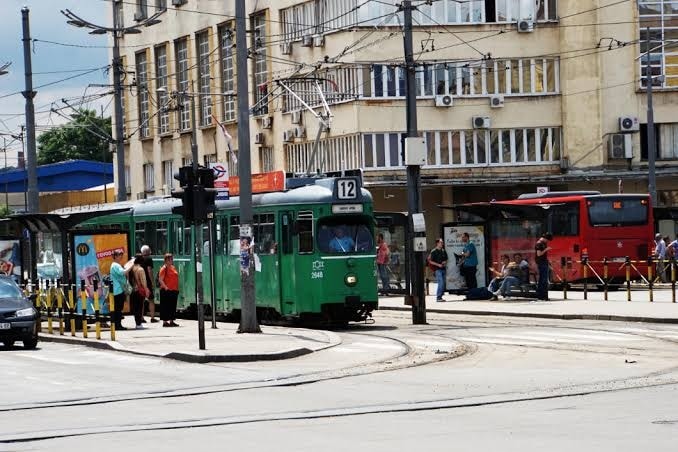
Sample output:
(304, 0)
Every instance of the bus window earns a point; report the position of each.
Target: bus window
(345, 235)
(286, 234)
(305, 232)
(626, 212)
(264, 234)
(563, 220)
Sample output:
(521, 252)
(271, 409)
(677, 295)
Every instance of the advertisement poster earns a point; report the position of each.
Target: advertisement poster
(93, 259)
(10, 258)
(454, 245)
(220, 179)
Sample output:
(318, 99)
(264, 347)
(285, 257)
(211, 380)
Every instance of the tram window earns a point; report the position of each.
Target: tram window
(264, 234)
(305, 232)
(160, 246)
(234, 236)
(187, 241)
(139, 236)
(345, 235)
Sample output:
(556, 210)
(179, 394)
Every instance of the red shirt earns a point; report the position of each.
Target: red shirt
(382, 254)
(170, 276)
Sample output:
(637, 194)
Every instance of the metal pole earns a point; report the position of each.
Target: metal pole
(413, 173)
(651, 144)
(248, 317)
(29, 94)
(4, 142)
(117, 110)
(213, 295)
(197, 233)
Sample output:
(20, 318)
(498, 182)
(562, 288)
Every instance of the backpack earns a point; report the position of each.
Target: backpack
(478, 293)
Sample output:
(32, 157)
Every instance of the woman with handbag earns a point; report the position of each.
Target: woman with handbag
(140, 292)
(121, 288)
(168, 280)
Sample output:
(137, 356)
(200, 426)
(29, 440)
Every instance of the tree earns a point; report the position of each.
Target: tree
(84, 137)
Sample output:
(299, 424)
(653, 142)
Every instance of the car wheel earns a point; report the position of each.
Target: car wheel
(31, 343)
(8, 343)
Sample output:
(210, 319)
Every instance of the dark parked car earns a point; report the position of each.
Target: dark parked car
(18, 318)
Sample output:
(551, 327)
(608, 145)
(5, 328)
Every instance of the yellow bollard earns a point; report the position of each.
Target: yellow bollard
(48, 289)
(71, 309)
(83, 297)
(97, 322)
(628, 278)
(111, 310)
(605, 276)
(60, 307)
(650, 277)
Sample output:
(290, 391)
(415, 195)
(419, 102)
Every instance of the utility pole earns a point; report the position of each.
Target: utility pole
(119, 138)
(248, 316)
(29, 94)
(651, 143)
(415, 258)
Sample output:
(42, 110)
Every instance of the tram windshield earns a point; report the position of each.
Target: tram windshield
(345, 235)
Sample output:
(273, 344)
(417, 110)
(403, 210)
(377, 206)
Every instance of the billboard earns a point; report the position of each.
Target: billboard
(454, 245)
(10, 258)
(93, 258)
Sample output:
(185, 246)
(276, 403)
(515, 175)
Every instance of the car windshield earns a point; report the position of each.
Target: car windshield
(9, 289)
(345, 235)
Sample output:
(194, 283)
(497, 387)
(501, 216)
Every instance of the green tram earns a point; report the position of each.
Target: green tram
(301, 273)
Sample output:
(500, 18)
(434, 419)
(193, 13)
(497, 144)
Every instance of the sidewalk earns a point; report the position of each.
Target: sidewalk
(222, 344)
(640, 309)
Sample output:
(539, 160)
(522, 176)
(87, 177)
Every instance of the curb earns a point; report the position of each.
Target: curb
(615, 318)
(181, 356)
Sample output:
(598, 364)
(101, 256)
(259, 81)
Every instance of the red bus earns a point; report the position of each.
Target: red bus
(583, 224)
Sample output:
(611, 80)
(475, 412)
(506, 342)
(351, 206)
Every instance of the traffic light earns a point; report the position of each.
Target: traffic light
(205, 195)
(186, 179)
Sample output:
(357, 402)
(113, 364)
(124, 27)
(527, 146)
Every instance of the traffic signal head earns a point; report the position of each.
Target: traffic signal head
(185, 176)
(205, 177)
(186, 209)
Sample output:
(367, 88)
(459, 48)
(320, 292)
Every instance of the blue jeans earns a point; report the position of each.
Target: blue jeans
(507, 283)
(440, 280)
(543, 283)
(383, 275)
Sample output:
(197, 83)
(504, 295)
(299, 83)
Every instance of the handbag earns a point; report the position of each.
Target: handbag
(127, 288)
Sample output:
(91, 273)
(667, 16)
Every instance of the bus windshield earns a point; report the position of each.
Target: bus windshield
(620, 211)
(345, 235)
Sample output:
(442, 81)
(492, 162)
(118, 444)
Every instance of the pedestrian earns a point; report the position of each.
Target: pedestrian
(437, 260)
(499, 275)
(541, 249)
(140, 290)
(469, 262)
(168, 280)
(511, 279)
(382, 262)
(660, 256)
(119, 278)
(148, 270)
(524, 267)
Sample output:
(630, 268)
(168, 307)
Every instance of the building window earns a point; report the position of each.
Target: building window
(337, 85)
(666, 141)
(168, 174)
(202, 44)
(209, 158)
(128, 187)
(160, 5)
(469, 147)
(227, 72)
(233, 163)
(149, 184)
(142, 10)
(142, 94)
(162, 93)
(266, 159)
(181, 51)
(661, 17)
(260, 75)
(120, 14)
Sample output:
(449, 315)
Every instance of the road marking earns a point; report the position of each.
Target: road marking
(375, 345)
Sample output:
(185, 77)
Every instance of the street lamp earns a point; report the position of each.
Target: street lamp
(117, 31)
(3, 68)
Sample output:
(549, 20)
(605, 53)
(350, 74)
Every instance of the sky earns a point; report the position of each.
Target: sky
(52, 62)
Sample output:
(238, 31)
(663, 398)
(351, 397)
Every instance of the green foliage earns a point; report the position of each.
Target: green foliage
(5, 211)
(81, 138)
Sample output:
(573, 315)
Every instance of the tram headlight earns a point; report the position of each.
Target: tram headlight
(351, 280)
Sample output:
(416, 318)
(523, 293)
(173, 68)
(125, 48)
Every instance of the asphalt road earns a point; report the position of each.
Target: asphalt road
(460, 382)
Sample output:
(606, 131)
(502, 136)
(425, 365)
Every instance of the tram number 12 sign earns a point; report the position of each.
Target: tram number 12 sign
(347, 189)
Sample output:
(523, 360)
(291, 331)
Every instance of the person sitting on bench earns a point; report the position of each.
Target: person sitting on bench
(512, 279)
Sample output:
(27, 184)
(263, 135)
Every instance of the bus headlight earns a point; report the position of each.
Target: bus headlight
(351, 280)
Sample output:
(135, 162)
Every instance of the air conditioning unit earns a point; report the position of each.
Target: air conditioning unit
(481, 122)
(496, 101)
(525, 26)
(267, 122)
(307, 41)
(259, 138)
(620, 146)
(299, 132)
(296, 117)
(444, 100)
(318, 41)
(629, 124)
(286, 48)
(288, 136)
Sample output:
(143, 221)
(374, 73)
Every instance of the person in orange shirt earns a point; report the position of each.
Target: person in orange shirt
(169, 291)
